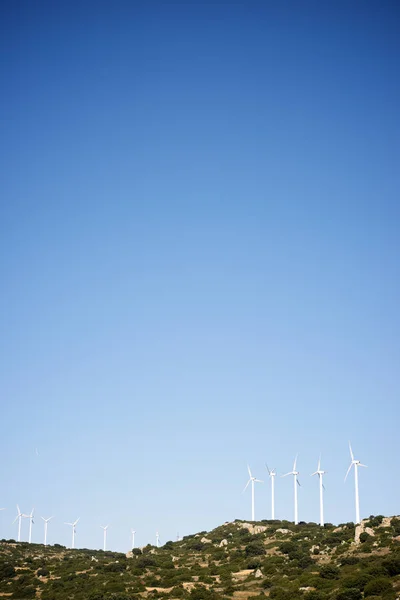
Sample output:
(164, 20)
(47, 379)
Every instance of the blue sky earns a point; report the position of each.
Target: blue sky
(199, 261)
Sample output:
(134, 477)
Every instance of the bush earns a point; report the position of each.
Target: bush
(287, 547)
(255, 548)
(358, 580)
(395, 523)
(43, 572)
(253, 563)
(6, 571)
(378, 587)
(392, 565)
(349, 594)
(364, 537)
(329, 572)
(349, 560)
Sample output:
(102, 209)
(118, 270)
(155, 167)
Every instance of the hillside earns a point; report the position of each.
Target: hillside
(238, 560)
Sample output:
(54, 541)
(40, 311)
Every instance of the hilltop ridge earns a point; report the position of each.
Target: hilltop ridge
(236, 560)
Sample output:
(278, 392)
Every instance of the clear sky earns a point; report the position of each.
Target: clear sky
(199, 261)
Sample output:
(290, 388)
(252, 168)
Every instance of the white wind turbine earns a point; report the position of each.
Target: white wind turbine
(321, 491)
(105, 536)
(296, 483)
(157, 539)
(356, 464)
(45, 528)
(133, 538)
(73, 525)
(272, 474)
(19, 518)
(252, 480)
(31, 522)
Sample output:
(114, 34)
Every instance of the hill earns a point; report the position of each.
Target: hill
(238, 560)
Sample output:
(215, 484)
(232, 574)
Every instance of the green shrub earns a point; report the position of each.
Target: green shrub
(6, 571)
(395, 523)
(364, 537)
(349, 594)
(392, 565)
(378, 587)
(255, 548)
(374, 521)
(329, 572)
(356, 581)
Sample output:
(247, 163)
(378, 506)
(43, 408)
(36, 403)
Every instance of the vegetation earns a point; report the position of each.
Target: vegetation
(238, 560)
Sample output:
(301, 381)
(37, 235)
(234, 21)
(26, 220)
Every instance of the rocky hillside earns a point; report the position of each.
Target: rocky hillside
(238, 560)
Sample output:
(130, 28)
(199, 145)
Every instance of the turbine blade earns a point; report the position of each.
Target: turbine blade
(286, 474)
(319, 463)
(16, 519)
(294, 464)
(298, 482)
(259, 480)
(245, 487)
(361, 465)
(351, 452)
(348, 470)
(316, 473)
(268, 469)
(248, 468)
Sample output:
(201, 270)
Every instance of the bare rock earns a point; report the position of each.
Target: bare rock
(284, 531)
(258, 574)
(205, 540)
(223, 543)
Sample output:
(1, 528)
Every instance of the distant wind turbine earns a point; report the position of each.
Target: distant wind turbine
(321, 491)
(133, 538)
(105, 536)
(73, 525)
(45, 528)
(252, 480)
(19, 518)
(157, 539)
(296, 483)
(356, 464)
(31, 522)
(272, 474)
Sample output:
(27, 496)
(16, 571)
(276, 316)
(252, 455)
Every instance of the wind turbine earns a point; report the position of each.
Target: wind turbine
(45, 528)
(19, 517)
(157, 539)
(321, 492)
(73, 525)
(272, 474)
(296, 483)
(356, 464)
(105, 536)
(133, 538)
(252, 480)
(31, 522)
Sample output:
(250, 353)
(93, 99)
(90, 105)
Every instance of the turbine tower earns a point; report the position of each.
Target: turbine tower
(356, 464)
(133, 538)
(295, 483)
(73, 525)
(105, 536)
(321, 492)
(19, 518)
(157, 539)
(252, 480)
(31, 522)
(272, 474)
(45, 528)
